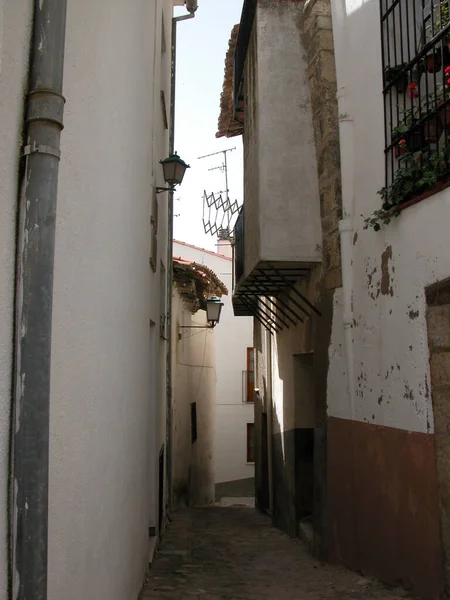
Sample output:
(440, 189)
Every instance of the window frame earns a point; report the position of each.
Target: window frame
(251, 454)
(415, 46)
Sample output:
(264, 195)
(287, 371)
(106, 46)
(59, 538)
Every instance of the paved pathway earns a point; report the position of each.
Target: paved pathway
(235, 554)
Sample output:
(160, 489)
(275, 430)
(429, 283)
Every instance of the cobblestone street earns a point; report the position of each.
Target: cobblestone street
(236, 554)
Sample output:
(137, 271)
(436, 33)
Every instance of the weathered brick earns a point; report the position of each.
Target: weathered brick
(440, 369)
(332, 251)
(441, 409)
(333, 279)
(322, 83)
(330, 197)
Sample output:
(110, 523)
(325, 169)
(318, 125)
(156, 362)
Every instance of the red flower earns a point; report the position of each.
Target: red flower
(447, 71)
(413, 92)
(402, 142)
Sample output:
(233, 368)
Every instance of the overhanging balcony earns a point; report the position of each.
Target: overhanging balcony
(278, 236)
(270, 290)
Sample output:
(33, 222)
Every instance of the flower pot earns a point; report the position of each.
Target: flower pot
(415, 138)
(400, 149)
(398, 78)
(434, 61)
(402, 83)
(444, 114)
(446, 60)
(433, 129)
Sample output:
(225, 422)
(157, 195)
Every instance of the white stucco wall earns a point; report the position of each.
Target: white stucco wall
(194, 380)
(15, 29)
(391, 267)
(233, 336)
(105, 434)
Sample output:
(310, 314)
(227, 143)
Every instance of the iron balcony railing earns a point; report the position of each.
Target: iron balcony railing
(239, 250)
(415, 39)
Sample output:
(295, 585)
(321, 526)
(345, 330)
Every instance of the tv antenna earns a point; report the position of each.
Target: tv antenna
(218, 212)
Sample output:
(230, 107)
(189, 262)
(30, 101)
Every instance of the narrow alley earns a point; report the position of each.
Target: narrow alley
(235, 554)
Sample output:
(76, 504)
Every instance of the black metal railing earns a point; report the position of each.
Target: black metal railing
(415, 36)
(245, 32)
(239, 247)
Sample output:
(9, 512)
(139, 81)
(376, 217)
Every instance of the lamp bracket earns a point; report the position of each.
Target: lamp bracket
(159, 190)
(197, 326)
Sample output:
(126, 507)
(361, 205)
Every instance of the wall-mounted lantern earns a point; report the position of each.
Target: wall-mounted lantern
(174, 169)
(213, 311)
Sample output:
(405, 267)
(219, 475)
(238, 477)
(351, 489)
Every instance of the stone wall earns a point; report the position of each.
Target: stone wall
(318, 42)
(317, 33)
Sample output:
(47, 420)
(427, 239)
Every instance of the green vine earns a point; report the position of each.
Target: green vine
(419, 172)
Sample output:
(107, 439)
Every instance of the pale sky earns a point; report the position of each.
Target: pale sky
(202, 44)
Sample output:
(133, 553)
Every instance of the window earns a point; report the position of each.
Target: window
(415, 39)
(162, 302)
(163, 35)
(154, 232)
(193, 422)
(250, 383)
(164, 110)
(250, 442)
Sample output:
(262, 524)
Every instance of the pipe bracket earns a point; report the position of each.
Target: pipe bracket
(46, 105)
(41, 149)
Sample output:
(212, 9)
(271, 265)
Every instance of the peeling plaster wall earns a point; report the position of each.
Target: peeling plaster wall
(108, 374)
(391, 267)
(233, 336)
(15, 31)
(382, 487)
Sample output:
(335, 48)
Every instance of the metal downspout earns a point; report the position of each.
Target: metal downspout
(35, 264)
(169, 344)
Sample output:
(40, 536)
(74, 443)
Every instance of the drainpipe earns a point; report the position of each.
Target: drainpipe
(35, 261)
(346, 225)
(191, 6)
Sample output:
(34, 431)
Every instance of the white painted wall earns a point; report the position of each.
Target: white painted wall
(233, 336)
(389, 336)
(15, 29)
(106, 413)
(194, 380)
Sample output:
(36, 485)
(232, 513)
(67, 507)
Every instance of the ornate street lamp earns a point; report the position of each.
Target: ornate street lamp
(213, 310)
(174, 169)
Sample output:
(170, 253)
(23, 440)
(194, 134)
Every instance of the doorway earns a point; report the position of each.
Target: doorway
(438, 321)
(161, 493)
(304, 436)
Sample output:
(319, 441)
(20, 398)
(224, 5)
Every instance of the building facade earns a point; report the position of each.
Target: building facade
(233, 459)
(340, 103)
(108, 383)
(194, 384)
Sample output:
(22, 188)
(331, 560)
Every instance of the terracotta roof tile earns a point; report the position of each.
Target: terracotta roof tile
(228, 126)
(196, 283)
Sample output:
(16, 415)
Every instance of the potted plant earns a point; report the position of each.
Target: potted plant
(410, 132)
(400, 148)
(433, 128)
(419, 172)
(439, 20)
